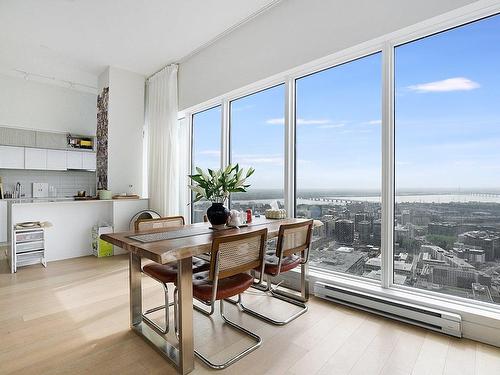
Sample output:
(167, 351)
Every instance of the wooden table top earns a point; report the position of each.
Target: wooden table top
(166, 251)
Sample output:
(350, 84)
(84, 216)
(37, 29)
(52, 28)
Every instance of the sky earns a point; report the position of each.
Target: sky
(447, 119)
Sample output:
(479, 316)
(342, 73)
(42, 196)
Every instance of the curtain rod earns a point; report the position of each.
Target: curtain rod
(159, 70)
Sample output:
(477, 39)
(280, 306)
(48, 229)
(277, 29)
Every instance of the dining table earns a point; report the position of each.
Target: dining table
(176, 244)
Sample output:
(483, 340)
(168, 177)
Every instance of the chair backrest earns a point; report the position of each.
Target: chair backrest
(294, 238)
(237, 253)
(162, 222)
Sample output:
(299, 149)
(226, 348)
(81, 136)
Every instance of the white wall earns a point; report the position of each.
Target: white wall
(291, 34)
(126, 121)
(40, 106)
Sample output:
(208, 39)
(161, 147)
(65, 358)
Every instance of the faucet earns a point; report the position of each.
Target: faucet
(17, 191)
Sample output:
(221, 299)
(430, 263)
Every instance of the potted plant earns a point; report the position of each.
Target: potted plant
(216, 186)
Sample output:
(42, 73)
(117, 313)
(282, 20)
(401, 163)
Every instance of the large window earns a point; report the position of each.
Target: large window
(206, 149)
(445, 163)
(257, 140)
(447, 234)
(338, 164)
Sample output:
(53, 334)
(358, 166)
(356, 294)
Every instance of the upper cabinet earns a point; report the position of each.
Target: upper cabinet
(89, 161)
(75, 159)
(81, 160)
(35, 158)
(56, 160)
(11, 157)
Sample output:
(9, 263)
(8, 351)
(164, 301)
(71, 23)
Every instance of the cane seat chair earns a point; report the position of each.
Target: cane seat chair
(232, 259)
(292, 250)
(164, 273)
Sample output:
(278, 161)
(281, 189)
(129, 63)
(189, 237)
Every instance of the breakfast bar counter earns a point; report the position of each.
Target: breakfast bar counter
(69, 235)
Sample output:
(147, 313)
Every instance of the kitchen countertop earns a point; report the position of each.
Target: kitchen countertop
(63, 200)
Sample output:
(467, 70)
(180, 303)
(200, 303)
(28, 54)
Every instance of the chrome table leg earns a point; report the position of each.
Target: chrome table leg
(182, 357)
(135, 275)
(185, 314)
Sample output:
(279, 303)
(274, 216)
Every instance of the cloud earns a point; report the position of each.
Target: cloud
(373, 122)
(331, 126)
(300, 121)
(446, 85)
(276, 121)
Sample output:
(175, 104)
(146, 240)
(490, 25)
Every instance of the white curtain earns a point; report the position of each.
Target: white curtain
(164, 139)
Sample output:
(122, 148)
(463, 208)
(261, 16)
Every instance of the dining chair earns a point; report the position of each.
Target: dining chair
(163, 222)
(233, 257)
(164, 273)
(292, 250)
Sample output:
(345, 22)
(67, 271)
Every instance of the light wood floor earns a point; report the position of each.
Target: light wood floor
(73, 318)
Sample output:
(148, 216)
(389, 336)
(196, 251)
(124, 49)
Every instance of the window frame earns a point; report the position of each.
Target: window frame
(385, 44)
(375, 50)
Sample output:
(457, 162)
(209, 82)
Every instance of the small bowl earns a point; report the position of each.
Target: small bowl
(105, 194)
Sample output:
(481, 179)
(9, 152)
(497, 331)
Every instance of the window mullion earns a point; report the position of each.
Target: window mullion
(289, 148)
(387, 165)
(225, 134)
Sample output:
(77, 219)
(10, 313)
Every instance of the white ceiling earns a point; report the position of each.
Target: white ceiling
(76, 40)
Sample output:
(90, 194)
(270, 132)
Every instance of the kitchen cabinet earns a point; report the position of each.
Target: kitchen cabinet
(89, 161)
(81, 160)
(56, 160)
(35, 158)
(74, 159)
(3, 221)
(11, 157)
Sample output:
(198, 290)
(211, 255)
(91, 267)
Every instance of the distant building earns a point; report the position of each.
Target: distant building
(486, 240)
(400, 267)
(401, 233)
(377, 232)
(344, 231)
(471, 254)
(405, 217)
(420, 218)
(364, 231)
(443, 229)
(443, 267)
(329, 225)
(358, 218)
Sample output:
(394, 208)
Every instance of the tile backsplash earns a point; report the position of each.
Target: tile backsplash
(66, 183)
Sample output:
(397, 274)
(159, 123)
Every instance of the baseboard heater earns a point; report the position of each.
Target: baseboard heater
(440, 321)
